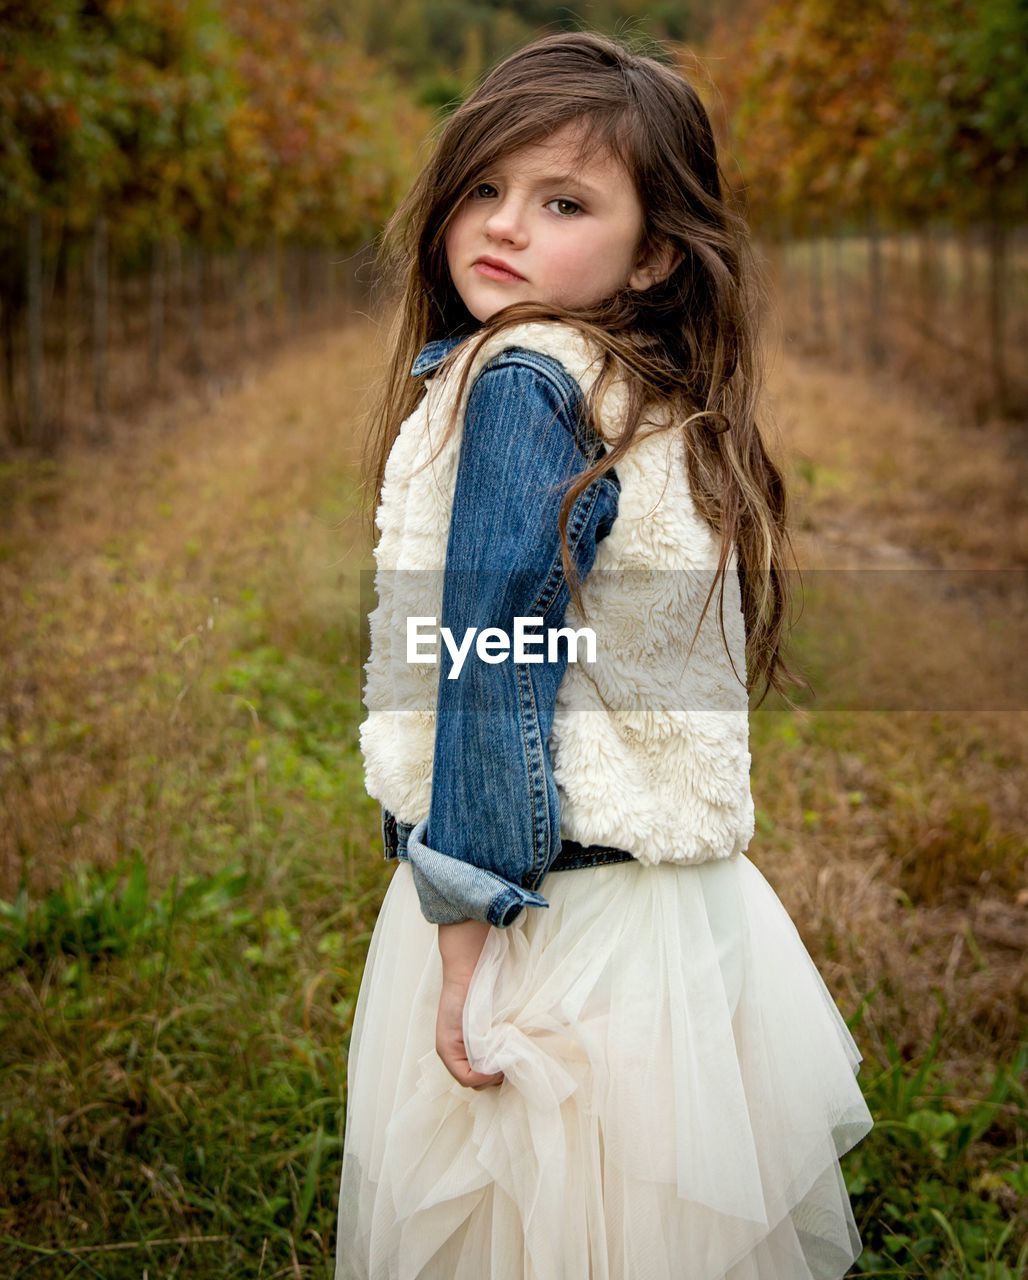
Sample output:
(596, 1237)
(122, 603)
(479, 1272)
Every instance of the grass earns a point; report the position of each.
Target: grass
(190, 869)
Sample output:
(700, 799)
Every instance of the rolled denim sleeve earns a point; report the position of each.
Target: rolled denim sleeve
(493, 826)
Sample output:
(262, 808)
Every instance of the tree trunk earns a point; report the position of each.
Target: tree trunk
(241, 296)
(967, 295)
(69, 315)
(276, 264)
(841, 300)
(195, 362)
(34, 320)
(100, 325)
(156, 345)
(817, 293)
(176, 282)
(876, 301)
(997, 307)
(927, 279)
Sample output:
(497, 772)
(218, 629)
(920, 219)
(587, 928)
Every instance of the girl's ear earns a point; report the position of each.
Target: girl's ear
(654, 265)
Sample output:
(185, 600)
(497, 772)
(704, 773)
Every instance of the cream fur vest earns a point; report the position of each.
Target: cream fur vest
(649, 749)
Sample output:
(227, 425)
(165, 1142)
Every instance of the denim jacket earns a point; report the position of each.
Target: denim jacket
(649, 736)
(492, 832)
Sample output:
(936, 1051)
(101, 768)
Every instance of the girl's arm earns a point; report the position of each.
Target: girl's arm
(493, 826)
(460, 945)
(494, 813)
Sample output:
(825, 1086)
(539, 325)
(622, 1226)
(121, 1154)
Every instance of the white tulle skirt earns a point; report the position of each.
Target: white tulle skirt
(678, 1088)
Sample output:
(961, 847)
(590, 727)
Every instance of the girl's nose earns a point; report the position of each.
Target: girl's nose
(507, 222)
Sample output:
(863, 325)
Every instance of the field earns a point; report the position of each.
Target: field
(190, 868)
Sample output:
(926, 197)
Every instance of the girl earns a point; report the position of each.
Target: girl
(589, 1042)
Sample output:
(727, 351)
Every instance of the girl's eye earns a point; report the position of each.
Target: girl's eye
(575, 206)
(488, 188)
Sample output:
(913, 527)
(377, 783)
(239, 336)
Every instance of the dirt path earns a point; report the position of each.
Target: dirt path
(881, 479)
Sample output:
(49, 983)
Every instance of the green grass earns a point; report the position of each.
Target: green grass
(174, 1056)
(939, 1186)
(174, 1066)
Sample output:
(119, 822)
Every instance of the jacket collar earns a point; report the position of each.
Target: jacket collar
(433, 353)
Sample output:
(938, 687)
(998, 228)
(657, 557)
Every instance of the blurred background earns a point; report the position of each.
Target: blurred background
(184, 181)
(191, 333)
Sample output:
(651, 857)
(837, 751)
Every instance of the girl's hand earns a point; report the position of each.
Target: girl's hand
(460, 946)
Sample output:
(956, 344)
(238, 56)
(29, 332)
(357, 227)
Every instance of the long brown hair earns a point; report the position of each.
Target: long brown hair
(688, 342)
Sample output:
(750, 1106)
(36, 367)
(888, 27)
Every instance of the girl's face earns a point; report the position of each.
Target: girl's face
(528, 233)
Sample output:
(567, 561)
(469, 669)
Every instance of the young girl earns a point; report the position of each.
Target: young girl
(589, 1043)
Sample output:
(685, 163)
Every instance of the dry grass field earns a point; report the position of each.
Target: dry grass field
(190, 868)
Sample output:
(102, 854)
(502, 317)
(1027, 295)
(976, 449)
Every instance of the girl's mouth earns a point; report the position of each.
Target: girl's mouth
(495, 273)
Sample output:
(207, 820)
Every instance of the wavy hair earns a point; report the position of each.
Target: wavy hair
(688, 343)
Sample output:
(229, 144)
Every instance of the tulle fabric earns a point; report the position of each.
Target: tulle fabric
(679, 1086)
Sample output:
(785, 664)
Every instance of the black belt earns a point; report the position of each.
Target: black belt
(572, 854)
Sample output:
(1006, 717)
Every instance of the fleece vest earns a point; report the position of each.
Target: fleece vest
(649, 744)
